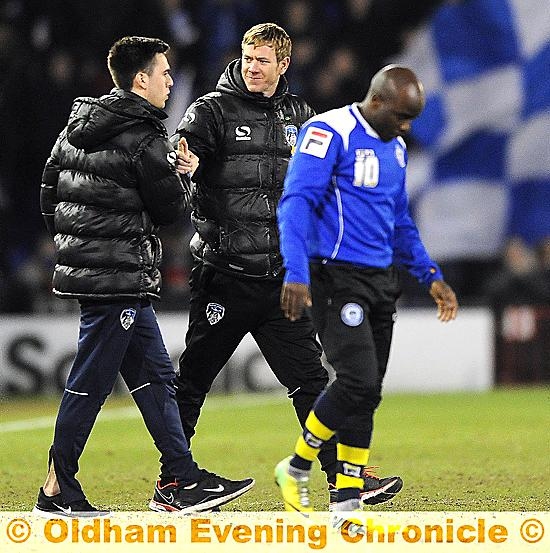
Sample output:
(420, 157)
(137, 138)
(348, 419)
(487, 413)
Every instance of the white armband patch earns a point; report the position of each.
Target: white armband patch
(316, 142)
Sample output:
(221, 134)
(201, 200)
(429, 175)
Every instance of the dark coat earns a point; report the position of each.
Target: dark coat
(244, 141)
(110, 180)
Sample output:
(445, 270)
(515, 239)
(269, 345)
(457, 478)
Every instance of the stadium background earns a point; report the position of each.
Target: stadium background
(479, 177)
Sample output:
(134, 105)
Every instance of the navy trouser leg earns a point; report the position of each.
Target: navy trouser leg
(105, 346)
(101, 347)
(149, 375)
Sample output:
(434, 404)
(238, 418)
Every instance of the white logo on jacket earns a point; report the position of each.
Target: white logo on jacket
(243, 132)
(291, 135)
(172, 157)
(189, 117)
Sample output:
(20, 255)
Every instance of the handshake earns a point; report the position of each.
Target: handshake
(186, 161)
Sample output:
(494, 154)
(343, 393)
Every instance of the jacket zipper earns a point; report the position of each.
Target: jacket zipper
(271, 190)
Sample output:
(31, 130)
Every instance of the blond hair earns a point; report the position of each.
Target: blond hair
(269, 34)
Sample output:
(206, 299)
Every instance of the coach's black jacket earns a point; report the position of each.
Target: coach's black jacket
(109, 181)
(243, 140)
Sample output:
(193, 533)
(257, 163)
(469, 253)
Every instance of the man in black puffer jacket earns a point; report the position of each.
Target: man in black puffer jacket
(244, 134)
(112, 177)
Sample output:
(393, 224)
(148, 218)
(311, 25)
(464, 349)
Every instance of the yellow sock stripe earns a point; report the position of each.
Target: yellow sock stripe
(357, 457)
(317, 428)
(345, 481)
(353, 455)
(315, 433)
(304, 450)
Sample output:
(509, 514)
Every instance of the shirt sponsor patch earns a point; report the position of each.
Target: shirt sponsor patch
(316, 142)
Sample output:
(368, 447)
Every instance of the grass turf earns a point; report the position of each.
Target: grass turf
(461, 452)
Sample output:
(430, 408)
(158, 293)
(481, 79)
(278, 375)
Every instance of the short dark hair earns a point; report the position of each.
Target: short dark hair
(132, 54)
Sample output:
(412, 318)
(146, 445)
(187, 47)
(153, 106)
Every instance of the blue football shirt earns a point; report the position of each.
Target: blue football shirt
(345, 200)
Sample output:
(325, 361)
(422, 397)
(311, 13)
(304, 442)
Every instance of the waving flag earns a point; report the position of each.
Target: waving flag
(484, 170)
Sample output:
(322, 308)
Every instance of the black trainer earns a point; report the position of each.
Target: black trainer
(54, 507)
(206, 494)
(375, 490)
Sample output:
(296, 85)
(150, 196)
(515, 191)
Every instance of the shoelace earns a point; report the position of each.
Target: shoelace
(370, 472)
(303, 493)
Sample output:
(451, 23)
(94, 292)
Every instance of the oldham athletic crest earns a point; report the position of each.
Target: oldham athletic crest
(214, 313)
(127, 318)
(291, 136)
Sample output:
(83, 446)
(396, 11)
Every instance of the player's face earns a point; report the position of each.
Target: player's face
(393, 116)
(260, 69)
(159, 82)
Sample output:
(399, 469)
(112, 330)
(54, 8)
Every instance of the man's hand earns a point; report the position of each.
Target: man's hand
(294, 297)
(445, 298)
(186, 162)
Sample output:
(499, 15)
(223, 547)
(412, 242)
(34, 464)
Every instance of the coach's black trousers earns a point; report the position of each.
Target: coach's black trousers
(125, 338)
(223, 309)
(353, 312)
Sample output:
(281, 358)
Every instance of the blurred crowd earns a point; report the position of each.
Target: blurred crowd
(51, 52)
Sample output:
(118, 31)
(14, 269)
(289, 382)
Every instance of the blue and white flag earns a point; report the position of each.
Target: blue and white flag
(484, 170)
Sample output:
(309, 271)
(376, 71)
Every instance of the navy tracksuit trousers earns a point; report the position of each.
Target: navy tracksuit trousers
(123, 337)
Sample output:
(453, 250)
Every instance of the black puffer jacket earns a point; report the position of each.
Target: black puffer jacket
(109, 181)
(244, 142)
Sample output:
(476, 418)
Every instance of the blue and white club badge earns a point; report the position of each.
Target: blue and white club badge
(214, 313)
(291, 135)
(352, 314)
(127, 318)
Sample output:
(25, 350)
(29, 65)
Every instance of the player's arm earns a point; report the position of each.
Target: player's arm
(308, 176)
(409, 251)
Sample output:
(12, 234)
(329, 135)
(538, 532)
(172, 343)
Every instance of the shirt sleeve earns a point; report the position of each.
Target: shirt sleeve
(408, 249)
(307, 180)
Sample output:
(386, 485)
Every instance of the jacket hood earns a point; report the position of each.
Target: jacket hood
(231, 82)
(93, 121)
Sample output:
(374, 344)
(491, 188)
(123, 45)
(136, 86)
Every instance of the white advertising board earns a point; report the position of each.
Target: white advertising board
(427, 356)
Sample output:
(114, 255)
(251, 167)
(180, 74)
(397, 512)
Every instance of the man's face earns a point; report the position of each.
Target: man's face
(393, 116)
(158, 82)
(260, 69)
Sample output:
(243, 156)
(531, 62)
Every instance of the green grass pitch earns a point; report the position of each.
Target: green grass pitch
(456, 452)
